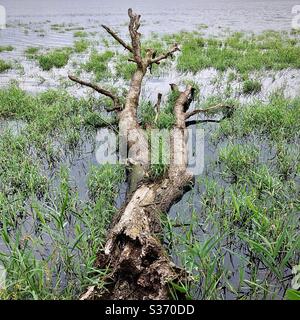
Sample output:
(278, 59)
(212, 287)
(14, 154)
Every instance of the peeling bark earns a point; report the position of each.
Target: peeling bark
(140, 266)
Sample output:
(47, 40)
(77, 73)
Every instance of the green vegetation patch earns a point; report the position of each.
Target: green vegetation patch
(245, 53)
(50, 115)
(124, 68)
(6, 48)
(57, 58)
(30, 52)
(4, 66)
(165, 119)
(56, 258)
(98, 64)
(80, 34)
(279, 119)
(243, 218)
(251, 86)
(81, 45)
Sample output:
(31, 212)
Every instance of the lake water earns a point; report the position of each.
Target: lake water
(159, 16)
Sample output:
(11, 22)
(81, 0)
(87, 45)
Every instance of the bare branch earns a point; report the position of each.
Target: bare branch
(100, 90)
(196, 111)
(116, 37)
(135, 35)
(165, 55)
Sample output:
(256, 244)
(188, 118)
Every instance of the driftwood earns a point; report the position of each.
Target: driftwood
(140, 266)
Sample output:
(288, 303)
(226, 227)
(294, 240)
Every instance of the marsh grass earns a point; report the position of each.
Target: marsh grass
(6, 48)
(80, 34)
(277, 120)
(98, 64)
(57, 58)
(51, 237)
(52, 116)
(244, 239)
(242, 52)
(4, 66)
(30, 52)
(251, 86)
(165, 119)
(81, 45)
(73, 233)
(124, 69)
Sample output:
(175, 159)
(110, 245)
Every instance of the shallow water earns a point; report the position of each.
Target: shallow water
(32, 25)
(159, 16)
(52, 24)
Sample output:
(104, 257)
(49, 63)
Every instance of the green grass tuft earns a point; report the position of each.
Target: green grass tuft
(80, 34)
(251, 86)
(6, 48)
(4, 66)
(244, 53)
(57, 58)
(31, 52)
(98, 64)
(81, 45)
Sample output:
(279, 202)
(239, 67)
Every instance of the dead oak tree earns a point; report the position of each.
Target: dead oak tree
(140, 266)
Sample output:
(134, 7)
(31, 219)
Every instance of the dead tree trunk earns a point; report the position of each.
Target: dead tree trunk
(140, 266)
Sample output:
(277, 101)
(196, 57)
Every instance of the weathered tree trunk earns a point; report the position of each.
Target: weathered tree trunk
(140, 266)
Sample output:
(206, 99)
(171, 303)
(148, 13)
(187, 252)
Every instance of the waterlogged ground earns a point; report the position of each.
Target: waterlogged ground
(237, 231)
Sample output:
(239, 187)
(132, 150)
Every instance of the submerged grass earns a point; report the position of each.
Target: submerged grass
(6, 48)
(57, 58)
(277, 120)
(251, 86)
(51, 116)
(81, 45)
(243, 241)
(73, 233)
(98, 64)
(80, 34)
(245, 53)
(30, 52)
(238, 236)
(52, 257)
(4, 66)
